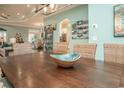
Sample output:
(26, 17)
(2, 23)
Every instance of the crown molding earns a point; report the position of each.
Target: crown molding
(20, 25)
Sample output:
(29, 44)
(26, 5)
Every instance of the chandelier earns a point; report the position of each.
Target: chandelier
(48, 9)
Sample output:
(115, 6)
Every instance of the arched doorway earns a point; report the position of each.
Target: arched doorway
(63, 44)
(64, 31)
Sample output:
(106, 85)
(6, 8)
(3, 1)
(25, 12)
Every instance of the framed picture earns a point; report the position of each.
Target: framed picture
(119, 20)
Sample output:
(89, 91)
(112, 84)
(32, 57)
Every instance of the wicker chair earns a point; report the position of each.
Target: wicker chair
(86, 50)
(60, 48)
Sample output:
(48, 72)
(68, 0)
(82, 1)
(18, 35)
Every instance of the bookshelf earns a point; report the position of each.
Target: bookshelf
(48, 38)
(80, 29)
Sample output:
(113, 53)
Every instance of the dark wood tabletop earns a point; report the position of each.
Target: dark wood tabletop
(38, 71)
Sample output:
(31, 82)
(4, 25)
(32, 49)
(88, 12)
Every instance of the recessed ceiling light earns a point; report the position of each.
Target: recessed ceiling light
(28, 5)
(18, 13)
(3, 14)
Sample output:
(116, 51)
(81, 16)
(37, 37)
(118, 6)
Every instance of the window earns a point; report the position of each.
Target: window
(33, 35)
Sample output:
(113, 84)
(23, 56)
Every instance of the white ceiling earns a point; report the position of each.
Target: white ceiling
(31, 19)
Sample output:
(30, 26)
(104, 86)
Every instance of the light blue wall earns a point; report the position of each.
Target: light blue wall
(12, 30)
(102, 15)
(75, 14)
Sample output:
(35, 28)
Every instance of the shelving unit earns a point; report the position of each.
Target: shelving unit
(80, 29)
(48, 38)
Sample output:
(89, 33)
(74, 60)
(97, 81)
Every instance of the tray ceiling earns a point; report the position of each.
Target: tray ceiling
(27, 15)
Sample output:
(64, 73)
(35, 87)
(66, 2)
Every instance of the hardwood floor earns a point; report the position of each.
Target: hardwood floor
(38, 70)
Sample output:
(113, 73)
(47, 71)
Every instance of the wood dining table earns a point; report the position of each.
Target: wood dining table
(37, 70)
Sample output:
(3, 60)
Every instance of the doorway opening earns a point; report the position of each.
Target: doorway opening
(65, 31)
